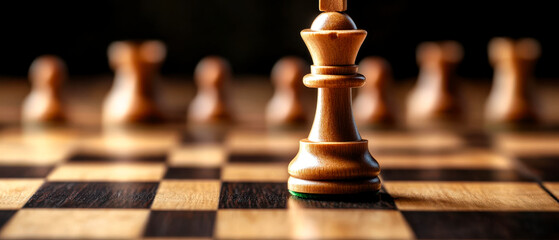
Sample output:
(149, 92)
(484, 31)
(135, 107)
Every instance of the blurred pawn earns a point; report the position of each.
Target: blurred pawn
(285, 107)
(43, 104)
(210, 105)
(509, 101)
(371, 106)
(433, 100)
(132, 98)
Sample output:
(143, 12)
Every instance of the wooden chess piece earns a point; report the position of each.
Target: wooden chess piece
(43, 104)
(132, 98)
(371, 106)
(434, 99)
(285, 107)
(510, 102)
(210, 105)
(333, 159)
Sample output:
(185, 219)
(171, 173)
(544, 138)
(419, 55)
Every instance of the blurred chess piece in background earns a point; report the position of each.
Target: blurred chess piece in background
(211, 103)
(434, 100)
(133, 96)
(372, 106)
(285, 108)
(43, 105)
(510, 101)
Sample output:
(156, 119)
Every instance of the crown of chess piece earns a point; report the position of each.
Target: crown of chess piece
(434, 99)
(333, 159)
(372, 107)
(510, 101)
(132, 98)
(43, 104)
(285, 107)
(210, 105)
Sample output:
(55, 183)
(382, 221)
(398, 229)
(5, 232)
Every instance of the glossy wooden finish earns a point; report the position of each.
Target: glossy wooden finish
(333, 159)
(510, 100)
(132, 98)
(211, 103)
(434, 100)
(44, 103)
(285, 107)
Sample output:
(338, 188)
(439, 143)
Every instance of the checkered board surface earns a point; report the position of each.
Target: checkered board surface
(178, 184)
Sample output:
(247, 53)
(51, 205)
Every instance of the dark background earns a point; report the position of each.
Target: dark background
(253, 34)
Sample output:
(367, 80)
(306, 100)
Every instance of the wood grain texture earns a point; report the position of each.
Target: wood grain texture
(255, 172)
(332, 5)
(192, 173)
(187, 195)
(261, 195)
(88, 172)
(180, 224)
(465, 160)
(472, 196)
(93, 195)
(488, 225)
(76, 224)
(197, 156)
(14, 193)
(553, 187)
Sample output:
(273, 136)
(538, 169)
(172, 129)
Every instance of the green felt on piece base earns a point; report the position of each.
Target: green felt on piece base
(366, 195)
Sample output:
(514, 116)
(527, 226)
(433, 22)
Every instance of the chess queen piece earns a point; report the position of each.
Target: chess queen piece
(334, 159)
(43, 105)
(510, 102)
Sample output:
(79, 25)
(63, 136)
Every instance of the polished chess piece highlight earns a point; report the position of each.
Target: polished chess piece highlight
(285, 107)
(510, 102)
(333, 159)
(433, 100)
(43, 104)
(132, 98)
(372, 105)
(211, 104)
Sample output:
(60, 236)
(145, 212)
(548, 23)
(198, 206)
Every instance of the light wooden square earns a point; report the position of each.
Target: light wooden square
(311, 224)
(76, 224)
(187, 195)
(553, 187)
(14, 193)
(412, 140)
(260, 172)
(470, 159)
(29, 155)
(470, 196)
(258, 142)
(138, 172)
(198, 156)
(527, 144)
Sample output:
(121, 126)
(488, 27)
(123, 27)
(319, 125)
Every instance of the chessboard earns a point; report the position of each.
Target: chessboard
(172, 181)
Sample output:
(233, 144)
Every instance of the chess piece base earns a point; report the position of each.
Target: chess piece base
(333, 168)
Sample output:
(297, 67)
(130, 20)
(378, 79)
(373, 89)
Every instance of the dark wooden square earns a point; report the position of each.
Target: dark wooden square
(5, 216)
(24, 172)
(253, 195)
(93, 195)
(193, 173)
(180, 224)
(484, 225)
(545, 168)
